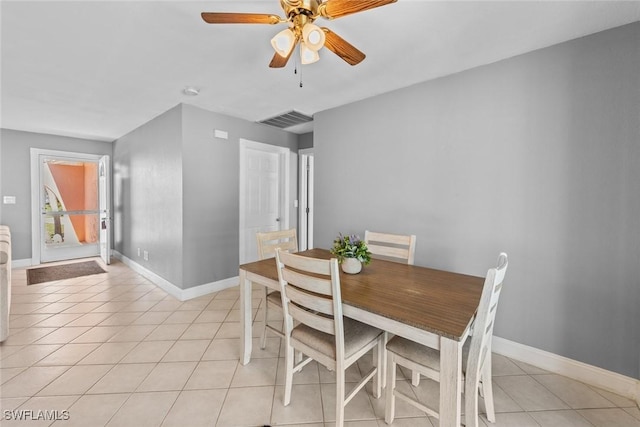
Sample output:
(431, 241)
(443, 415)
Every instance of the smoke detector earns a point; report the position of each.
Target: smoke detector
(191, 91)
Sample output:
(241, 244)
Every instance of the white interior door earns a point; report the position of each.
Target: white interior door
(104, 191)
(263, 193)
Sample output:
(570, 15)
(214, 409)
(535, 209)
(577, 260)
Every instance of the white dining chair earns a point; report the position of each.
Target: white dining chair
(393, 247)
(268, 242)
(311, 297)
(476, 357)
(397, 248)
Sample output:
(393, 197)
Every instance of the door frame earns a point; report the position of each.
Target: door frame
(104, 206)
(305, 211)
(285, 155)
(36, 184)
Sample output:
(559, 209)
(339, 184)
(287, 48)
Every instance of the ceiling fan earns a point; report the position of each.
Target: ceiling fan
(300, 15)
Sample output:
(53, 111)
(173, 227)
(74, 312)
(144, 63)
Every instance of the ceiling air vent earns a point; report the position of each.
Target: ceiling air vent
(286, 120)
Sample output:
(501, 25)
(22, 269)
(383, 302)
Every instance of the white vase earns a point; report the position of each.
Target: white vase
(351, 266)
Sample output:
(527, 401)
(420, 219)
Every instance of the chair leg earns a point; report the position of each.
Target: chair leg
(288, 380)
(385, 340)
(265, 310)
(390, 407)
(487, 389)
(471, 400)
(378, 359)
(340, 391)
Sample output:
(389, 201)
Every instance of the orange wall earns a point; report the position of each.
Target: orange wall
(78, 189)
(91, 201)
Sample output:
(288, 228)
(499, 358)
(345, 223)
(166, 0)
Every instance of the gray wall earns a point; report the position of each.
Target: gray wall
(305, 140)
(211, 190)
(147, 196)
(15, 178)
(176, 193)
(538, 156)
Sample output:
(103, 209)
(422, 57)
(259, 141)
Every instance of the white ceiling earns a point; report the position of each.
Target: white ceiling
(99, 69)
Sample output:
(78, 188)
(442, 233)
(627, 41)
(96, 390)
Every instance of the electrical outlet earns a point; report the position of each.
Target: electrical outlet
(146, 255)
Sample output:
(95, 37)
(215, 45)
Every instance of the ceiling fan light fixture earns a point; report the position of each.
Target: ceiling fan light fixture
(283, 42)
(313, 36)
(308, 56)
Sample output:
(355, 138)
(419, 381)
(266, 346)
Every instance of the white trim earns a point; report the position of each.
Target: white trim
(21, 263)
(28, 262)
(207, 288)
(305, 190)
(36, 232)
(302, 198)
(310, 200)
(606, 380)
(173, 290)
(104, 205)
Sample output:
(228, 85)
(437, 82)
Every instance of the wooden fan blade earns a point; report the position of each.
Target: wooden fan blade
(239, 18)
(336, 8)
(278, 61)
(342, 48)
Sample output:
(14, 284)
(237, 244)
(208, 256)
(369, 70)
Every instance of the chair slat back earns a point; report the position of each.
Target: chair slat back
(313, 284)
(310, 290)
(269, 241)
(485, 317)
(323, 324)
(306, 299)
(394, 247)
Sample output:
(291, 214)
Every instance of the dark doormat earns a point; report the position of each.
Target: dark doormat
(61, 272)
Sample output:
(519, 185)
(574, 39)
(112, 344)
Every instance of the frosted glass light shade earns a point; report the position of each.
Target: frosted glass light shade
(283, 42)
(313, 36)
(308, 56)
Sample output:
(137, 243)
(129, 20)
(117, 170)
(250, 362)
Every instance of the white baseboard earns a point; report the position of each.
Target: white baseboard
(606, 380)
(173, 290)
(21, 263)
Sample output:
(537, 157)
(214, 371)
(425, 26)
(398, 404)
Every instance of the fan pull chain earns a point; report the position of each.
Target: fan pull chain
(300, 76)
(295, 68)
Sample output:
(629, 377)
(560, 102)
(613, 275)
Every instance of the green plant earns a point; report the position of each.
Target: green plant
(350, 247)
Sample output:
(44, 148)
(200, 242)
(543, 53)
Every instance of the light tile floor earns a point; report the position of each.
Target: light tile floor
(113, 349)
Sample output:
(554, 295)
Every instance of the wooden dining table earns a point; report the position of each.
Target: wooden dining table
(433, 307)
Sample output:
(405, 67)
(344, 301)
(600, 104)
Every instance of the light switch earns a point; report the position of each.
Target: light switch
(9, 200)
